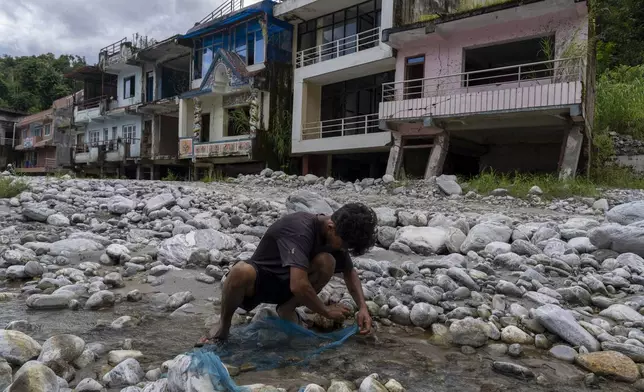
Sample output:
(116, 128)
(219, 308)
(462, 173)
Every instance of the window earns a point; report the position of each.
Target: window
(94, 137)
(24, 134)
(115, 133)
(129, 133)
(129, 87)
(414, 73)
(106, 134)
(238, 121)
(48, 130)
(38, 131)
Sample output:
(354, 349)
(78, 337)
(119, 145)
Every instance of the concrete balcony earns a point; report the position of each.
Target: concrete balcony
(341, 135)
(107, 151)
(534, 87)
(228, 147)
(90, 110)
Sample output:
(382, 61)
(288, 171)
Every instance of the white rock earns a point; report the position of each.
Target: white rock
(33, 376)
(120, 205)
(483, 234)
(627, 213)
(128, 372)
(17, 347)
(423, 240)
(115, 357)
(307, 201)
(58, 219)
(61, 348)
(177, 250)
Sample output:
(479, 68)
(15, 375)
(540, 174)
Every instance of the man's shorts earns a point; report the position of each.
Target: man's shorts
(269, 289)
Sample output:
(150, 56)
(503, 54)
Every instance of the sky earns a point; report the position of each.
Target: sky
(83, 27)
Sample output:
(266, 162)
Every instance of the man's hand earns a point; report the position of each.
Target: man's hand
(364, 321)
(337, 312)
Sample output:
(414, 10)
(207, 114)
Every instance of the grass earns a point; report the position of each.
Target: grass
(217, 176)
(620, 102)
(469, 5)
(428, 17)
(518, 185)
(171, 176)
(10, 187)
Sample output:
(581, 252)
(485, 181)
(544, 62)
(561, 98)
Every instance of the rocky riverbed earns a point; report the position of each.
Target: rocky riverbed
(105, 284)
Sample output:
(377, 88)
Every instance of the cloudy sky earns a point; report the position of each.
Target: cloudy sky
(83, 27)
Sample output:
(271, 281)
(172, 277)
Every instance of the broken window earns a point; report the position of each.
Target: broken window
(529, 59)
(238, 121)
(129, 87)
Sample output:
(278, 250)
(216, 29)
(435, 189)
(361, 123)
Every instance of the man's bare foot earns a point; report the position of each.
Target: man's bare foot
(205, 341)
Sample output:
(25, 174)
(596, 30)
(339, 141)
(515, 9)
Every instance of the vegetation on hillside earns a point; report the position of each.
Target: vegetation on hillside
(32, 83)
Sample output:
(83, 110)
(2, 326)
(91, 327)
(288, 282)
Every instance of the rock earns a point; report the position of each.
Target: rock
(535, 190)
(178, 249)
(563, 353)
(422, 293)
(400, 315)
(45, 301)
(58, 220)
(371, 384)
(16, 272)
(37, 212)
(621, 313)
(114, 279)
(394, 386)
(512, 334)
(158, 202)
(636, 353)
(74, 245)
(460, 276)
(341, 386)
(582, 245)
(177, 300)
(115, 357)
(610, 364)
(120, 205)
(33, 376)
(101, 299)
(483, 234)
(508, 288)
(17, 347)
(515, 350)
(34, 269)
(386, 216)
(64, 348)
(469, 332)
(134, 296)
(423, 240)
(6, 376)
(386, 235)
(412, 218)
(307, 201)
(89, 385)
(563, 324)
(512, 369)
(448, 185)
(455, 239)
(632, 261)
(621, 239)
(575, 295)
(627, 213)
(423, 315)
(118, 252)
(313, 388)
(128, 372)
(124, 322)
(601, 205)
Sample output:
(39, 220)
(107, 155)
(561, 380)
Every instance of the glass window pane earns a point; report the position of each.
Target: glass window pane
(338, 16)
(351, 12)
(301, 28)
(259, 47)
(327, 20)
(327, 34)
(338, 31)
(206, 60)
(351, 27)
(366, 7)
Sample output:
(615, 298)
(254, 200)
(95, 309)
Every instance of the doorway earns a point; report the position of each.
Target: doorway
(149, 87)
(205, 128)
(414, 73)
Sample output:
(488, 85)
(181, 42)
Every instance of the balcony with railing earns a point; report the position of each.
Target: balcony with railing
(41, 165)
(113, 150)
(534, 86)
(224, 9)
(342, 47)
(349, 133)
(92, 108)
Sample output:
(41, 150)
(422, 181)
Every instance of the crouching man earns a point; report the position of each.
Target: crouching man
(295, 259)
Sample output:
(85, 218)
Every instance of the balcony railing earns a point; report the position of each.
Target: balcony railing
(525, 86)
(6, 142)
(226, 8)
(113, 48)
(342, 47)
(359, 125)
(91, 102)
(105, 145)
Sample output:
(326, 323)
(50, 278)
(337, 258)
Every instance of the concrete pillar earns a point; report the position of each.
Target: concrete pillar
(305, 165)
(138, 172)
(395, 155)
(571, 150)
(156, 135)
(329, 162)
(437, 155)
(152, 170)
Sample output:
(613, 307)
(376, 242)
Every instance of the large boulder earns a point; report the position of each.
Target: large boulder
(386, 216)
(627, 213)
(610, 364)
(58, 220)
(33, 376)
(619, 312)
(61, 348)
(177, 250)
(621, 239)
(562, 323)
(48, 301)
(74, 245)
(308, 201)
(632, 261)
(6, 374)
(423, 240)
(100, 299)
(120, 205)
(469, 332)
(17, 347)
(37, 212)
(128, 372)
(158, 202)
(448, 185)
(483, 234)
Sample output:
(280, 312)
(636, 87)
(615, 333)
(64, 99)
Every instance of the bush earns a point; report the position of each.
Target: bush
(620, 102)
(170, 176)
(518, 185)
(10, 187)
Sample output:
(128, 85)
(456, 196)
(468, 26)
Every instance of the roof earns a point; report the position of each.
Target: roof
(67, 101)
(86, 72)
(37, 117)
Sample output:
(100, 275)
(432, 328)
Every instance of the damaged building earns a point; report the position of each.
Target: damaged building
(444, 86)
(8, 124)
(240, 83)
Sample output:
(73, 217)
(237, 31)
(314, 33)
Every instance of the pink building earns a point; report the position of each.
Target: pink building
(479, 87)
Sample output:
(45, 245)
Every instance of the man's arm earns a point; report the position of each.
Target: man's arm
(352, 281)
(305, 294)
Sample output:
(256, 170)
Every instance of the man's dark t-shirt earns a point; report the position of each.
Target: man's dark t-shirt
(293, 241)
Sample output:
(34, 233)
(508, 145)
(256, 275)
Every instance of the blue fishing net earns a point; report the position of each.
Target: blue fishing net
(265, 344)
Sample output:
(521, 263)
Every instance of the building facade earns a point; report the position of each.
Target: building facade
(339, 68)
(240, 84)
(8, 127)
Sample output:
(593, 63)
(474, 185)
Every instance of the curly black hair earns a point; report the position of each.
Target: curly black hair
(357, 225)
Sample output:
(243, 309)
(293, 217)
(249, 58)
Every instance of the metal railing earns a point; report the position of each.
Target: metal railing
(91, 102)
(106, 145)
(50, 163)
(540, 84)
(6, 141)
(226, 8)
(113, 48)
(342, 47)
(358, 125)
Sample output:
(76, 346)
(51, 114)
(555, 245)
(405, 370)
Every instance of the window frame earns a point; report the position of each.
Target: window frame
(94, 136)
(129, 133)
(132, 92)
(47, 130)
(37, 131)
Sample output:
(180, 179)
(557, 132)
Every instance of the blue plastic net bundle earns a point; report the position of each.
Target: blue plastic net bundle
(265, 344)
